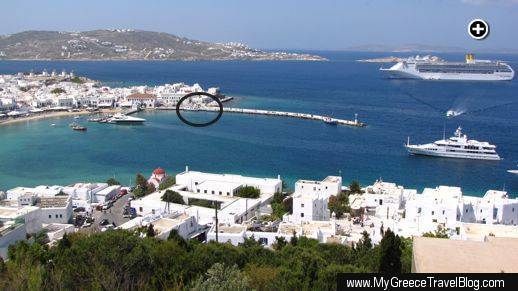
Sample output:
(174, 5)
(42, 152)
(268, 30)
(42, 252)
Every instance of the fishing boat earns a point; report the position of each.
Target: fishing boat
(79, 128)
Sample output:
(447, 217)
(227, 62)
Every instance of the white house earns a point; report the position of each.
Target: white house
(56, 209)
(225, 184)
(331, 185)
(107, 194)
(310, 207)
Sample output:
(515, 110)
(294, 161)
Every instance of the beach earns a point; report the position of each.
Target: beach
(57, 114)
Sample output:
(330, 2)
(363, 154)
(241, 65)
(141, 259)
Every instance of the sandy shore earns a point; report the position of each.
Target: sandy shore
(53, 115)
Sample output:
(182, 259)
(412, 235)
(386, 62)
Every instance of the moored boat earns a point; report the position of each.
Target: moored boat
(457, 146)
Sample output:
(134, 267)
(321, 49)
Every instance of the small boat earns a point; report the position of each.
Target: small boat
(53, 124)
(77, 117)
(94, 119)
(330, 120)
(453, 113)
(513, 171)
(79, 128)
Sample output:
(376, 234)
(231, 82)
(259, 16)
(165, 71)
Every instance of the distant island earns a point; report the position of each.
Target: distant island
(129, 44)
(390, 59)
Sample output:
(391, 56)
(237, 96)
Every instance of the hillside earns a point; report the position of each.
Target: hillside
(127, 44)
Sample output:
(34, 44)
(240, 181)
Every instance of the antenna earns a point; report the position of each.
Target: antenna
(444, 131)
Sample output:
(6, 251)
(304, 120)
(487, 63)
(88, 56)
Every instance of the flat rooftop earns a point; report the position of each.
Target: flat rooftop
(234, 228)
(56, 201)
(436, 255)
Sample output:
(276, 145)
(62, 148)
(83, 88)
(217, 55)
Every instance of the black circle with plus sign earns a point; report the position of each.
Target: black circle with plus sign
(478, 29)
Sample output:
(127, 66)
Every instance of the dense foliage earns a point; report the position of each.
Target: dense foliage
(142, 187)
(116, 260)
(57, 91)
(248, 192)
(168, 182)
(171, 196)
(112, 182)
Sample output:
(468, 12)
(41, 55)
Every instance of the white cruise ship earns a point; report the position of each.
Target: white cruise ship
(457, 146)
(124, 119)
(433, 68)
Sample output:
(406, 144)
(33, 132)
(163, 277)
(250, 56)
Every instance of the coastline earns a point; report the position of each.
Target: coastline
(52, 115)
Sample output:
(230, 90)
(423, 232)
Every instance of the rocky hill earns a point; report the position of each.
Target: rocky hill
(128, 44)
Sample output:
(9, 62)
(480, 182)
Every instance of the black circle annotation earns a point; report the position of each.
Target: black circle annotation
(195, 124)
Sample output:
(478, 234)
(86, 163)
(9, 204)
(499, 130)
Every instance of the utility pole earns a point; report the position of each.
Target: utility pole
(217, 224)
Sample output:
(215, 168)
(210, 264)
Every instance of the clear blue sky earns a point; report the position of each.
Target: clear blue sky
(294, 24)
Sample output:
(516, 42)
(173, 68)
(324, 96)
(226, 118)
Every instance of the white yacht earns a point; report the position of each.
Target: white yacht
(458, 146)
(124, 119)
(433, 68)
(513, 171)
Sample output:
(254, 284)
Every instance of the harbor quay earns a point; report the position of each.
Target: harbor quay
(26, 96)
(233, 208)
(327, 119)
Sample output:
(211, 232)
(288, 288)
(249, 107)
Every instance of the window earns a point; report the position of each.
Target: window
(228, 193)
(443, 211)
(140, 209)
(419, 210)
(433, 212)
(196, 183)
(50, 216)
(61, 216)
(302, 205)
(220, 193)
(263, 241)
(212, 192)
(56, 216)
(302, 215)
(198, 191)
(205, 191)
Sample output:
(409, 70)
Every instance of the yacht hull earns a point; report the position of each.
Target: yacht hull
(454, 155)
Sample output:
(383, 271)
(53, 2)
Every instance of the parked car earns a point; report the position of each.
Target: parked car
(104, 222)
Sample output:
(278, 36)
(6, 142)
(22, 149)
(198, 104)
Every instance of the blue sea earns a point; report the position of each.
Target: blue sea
(34, 153)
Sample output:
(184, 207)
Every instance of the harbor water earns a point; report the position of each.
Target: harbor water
(34, 153)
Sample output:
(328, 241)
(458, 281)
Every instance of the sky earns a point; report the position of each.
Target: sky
(281, 24)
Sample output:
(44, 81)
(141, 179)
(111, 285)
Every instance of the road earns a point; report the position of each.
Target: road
(113, 215)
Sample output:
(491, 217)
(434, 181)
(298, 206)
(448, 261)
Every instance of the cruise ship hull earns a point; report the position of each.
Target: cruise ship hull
(456, 155)
(476, 71)
(408, 74)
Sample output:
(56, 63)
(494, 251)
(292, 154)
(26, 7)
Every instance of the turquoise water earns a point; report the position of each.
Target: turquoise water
(34, 153)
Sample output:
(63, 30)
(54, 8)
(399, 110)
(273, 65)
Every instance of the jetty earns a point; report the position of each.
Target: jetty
(322, 118)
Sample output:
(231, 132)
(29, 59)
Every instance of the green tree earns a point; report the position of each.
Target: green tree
(57, 91)
(175, 236)
(441, 232)
(171, 196)
(168, 182)
(339, 204)
(141, 186)
(221, 278)
(112, 182)
(355, 187)
(280, 242)
(365, 243)
(248, 192)
(390, 247)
